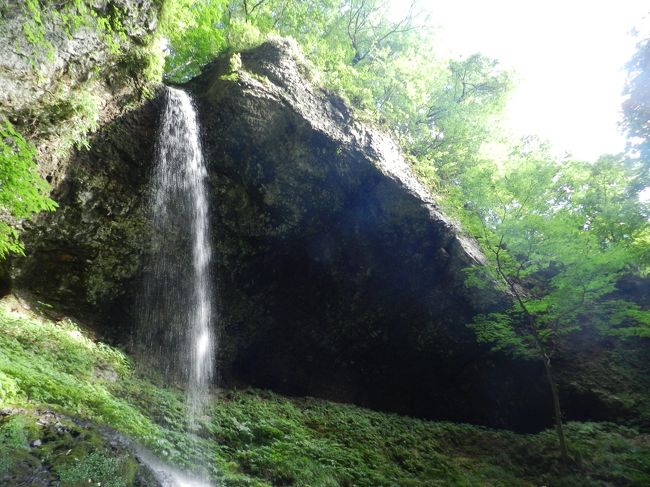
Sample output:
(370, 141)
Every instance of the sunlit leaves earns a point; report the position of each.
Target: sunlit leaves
(499, 330)
(22, 190)
(636, 108)
(195, 34)
(560, 233)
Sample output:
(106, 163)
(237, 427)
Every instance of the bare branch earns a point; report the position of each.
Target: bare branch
(359, 22)
(280, 14)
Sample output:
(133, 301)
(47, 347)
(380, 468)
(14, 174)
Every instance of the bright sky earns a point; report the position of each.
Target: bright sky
(569, 58)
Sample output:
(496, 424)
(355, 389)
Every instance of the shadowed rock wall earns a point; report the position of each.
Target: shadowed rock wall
(337, 274)
(85, 259)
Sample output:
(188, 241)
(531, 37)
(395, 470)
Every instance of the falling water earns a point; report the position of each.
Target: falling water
(175, 308)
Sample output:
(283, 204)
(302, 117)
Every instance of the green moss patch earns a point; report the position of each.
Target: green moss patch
(43, 448)
(257, 438)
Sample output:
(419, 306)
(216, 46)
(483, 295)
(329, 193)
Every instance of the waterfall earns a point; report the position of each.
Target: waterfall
(175, 332)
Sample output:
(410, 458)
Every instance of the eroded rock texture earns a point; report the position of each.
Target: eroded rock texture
(337, 275)
(67, 68)
(85, 258)
(60, 51)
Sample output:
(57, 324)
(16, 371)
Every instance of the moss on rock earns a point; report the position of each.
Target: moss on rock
(59, 426)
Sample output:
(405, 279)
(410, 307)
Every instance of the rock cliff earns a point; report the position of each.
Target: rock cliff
(69, 67)
(337, 275)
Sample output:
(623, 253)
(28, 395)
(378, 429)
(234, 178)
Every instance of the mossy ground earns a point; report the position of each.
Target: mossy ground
(41, 448)
(257, 438)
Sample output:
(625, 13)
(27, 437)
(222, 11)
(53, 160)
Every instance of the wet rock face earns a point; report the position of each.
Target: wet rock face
(338, 275)
(85, 258)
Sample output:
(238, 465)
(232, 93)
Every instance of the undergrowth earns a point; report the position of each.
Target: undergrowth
(257, 438)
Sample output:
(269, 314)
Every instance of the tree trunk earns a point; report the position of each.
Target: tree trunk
(532, 329)
(556, 407)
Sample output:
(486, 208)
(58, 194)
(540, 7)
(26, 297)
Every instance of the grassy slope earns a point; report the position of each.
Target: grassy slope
(258, 438)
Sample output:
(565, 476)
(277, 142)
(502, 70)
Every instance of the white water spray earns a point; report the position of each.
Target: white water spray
(176, 308)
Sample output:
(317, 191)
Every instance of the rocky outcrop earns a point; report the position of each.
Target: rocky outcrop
(66, 68)
(83, 259)
(337, 274)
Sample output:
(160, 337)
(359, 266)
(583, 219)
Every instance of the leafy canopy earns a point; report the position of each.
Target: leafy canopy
(22, 190)
(559, 234)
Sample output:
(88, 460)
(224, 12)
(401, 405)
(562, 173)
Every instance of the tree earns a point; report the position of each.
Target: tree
(194, 34)
(23, 192)
(636, 109)
(459, 113)
(558, 244)
(368, 29)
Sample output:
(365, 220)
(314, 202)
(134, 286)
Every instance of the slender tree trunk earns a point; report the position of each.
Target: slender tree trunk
(532, 328)
(556, 407)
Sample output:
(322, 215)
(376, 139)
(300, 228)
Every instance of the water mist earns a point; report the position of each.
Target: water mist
(176, 311)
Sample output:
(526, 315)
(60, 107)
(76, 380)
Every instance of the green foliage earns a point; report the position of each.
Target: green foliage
(560, 234)
(499, 329)
(72, 16)
(459, 115)
(630, 320)
(195, 33)
(97, 469)
(23, 192)
(9, 390)
(28, 350)
(636, 108)
(257, 438)
(13, 438)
